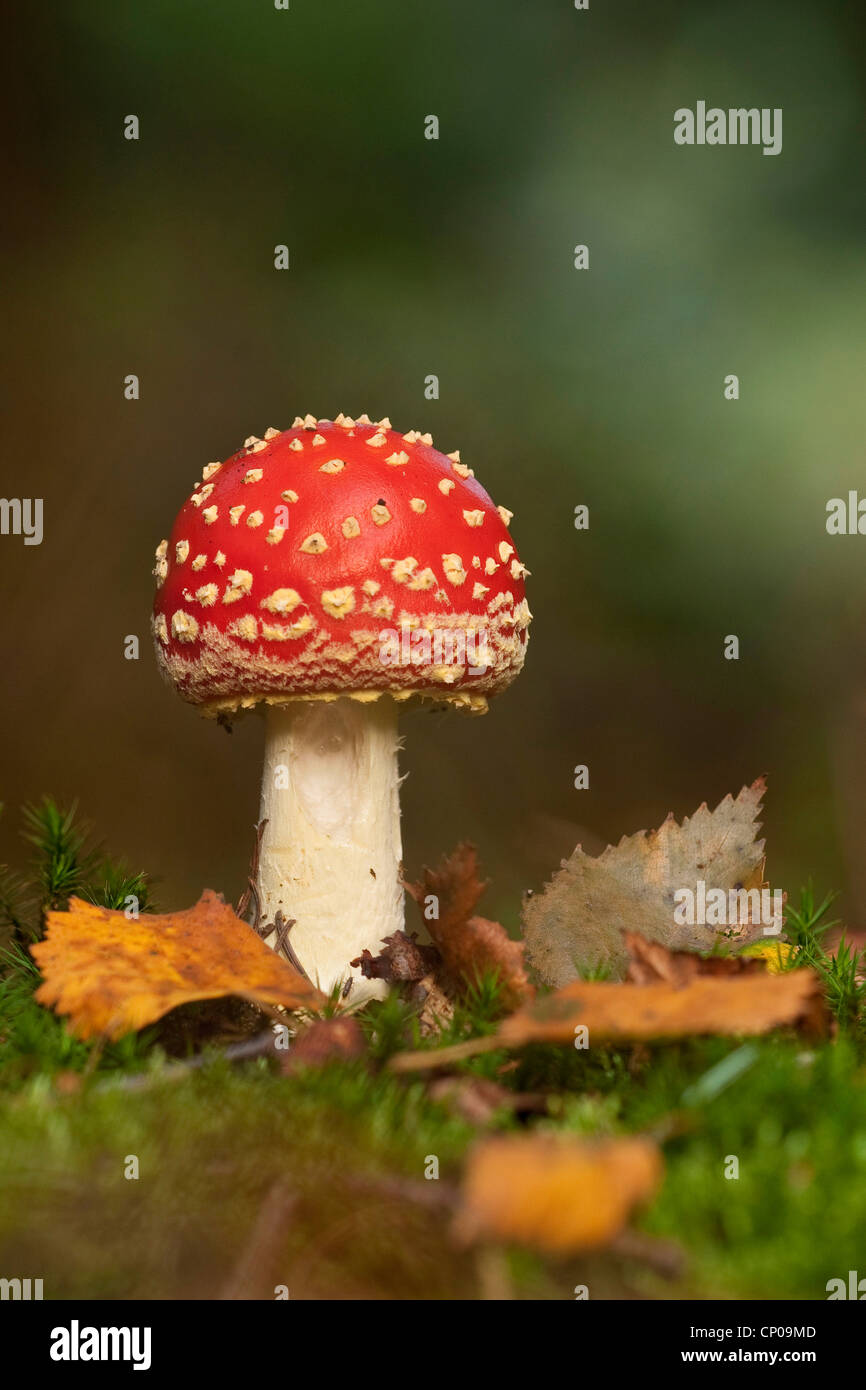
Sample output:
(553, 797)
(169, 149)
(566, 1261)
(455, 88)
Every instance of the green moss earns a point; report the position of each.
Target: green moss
(796, 1214)
(35, 1042)
(209, 1149)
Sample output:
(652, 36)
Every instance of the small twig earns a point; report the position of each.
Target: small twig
(251, 890)
(291, 953)
(259, 1259)
(443, 1056)
(434, 1196)
(494, 1279)
(661, 1256)
(282, 926)
(95, 1056)
(258, 1046)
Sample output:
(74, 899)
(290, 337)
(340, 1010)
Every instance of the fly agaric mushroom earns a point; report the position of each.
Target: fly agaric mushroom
(327, 574)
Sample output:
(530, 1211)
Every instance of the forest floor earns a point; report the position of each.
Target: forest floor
(162, 1166)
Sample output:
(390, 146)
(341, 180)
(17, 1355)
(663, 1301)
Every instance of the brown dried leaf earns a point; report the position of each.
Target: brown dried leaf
(403, 959)
(469, 945)
(477, 1099)
(743, 1004)
(113, 976)
(728, 1005)
(577, 923)
(649, 962)
(554, 1194)
(418, 969)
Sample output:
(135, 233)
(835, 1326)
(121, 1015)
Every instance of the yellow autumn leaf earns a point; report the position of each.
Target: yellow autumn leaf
(112, 976)
(776, 955)
(555, 1194)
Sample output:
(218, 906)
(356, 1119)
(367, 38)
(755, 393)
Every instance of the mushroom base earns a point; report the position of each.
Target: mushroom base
(330, 851)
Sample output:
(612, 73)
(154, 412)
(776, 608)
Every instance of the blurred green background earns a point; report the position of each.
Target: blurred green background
(453, 257)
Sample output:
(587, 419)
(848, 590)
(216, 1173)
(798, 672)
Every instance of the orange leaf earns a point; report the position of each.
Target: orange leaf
(557, 1195)
(470, 945)
(729, 1005)
(726, 1004)
(113, 976)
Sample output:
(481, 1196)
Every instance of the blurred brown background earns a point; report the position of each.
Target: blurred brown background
(411, 257)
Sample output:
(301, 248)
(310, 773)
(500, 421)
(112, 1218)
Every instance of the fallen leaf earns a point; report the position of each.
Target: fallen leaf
(419, 970)
(477, 1100)
(325, 1040)
(554, 1194)
(576, 924)
(729, 1005)
(649, 962)
(402, 960)
(469, 945)
(113, 976)
(774, 954)
(743, 1004)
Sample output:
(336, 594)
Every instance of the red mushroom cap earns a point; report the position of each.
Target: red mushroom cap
(339, 558)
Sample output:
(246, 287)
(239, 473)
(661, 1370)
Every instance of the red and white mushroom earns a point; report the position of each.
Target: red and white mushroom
(327, 574)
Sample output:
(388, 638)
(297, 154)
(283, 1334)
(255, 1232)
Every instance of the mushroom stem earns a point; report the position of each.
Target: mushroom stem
(330, 852)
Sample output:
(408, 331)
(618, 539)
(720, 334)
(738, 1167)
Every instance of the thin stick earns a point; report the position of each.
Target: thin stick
(258, 1046)
(251, 890)
(282, 926)
(259, 1259)
(443, 1056)
(664, 1257)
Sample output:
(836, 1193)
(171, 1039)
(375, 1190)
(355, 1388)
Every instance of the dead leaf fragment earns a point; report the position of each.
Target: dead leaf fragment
(577, 923)
(403, 959)
(649, 962)
(419, 970)
(557, 1195)
(477, 1100)
(113, 976)
(434, 1006)
(469, 945)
